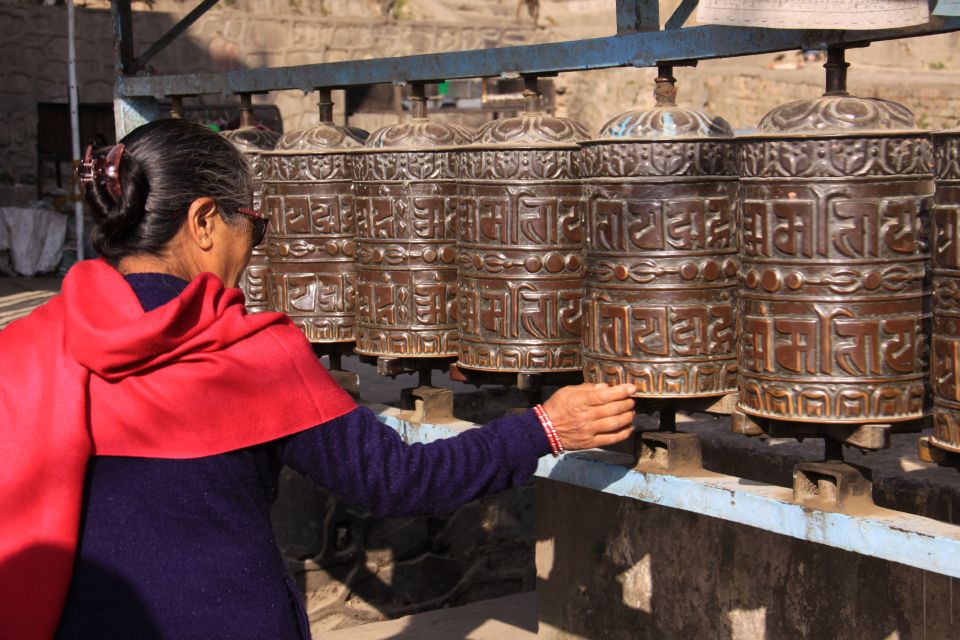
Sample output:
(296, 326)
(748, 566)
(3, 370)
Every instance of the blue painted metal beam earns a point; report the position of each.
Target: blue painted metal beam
(904, 538)
(631, 49)
(638, 15)
(174, 32)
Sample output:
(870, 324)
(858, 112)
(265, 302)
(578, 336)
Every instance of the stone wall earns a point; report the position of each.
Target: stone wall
(235, 35)
(617, 568)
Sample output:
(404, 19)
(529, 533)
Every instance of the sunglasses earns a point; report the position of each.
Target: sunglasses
(259, 220)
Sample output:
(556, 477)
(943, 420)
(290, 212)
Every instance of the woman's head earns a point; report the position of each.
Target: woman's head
(181, 189)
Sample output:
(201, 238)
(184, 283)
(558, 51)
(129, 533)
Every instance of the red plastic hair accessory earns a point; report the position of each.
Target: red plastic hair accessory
(103, 168)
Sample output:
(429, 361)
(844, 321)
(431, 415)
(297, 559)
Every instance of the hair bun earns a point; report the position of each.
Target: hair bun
(118, 218)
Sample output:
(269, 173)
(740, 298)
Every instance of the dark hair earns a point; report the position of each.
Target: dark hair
(166, 165)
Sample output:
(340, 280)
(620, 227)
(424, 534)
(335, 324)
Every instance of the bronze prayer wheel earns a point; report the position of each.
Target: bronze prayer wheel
(252, 141)
(311, 245)
(945, 348)
(834, 305)
(661, 251)
(405, 194)
(519, 242)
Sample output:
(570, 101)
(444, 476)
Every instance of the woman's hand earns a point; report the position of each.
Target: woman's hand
(591, 415)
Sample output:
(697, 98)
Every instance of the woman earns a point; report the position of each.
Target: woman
(146, 416)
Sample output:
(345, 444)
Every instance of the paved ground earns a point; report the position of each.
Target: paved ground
(20, 296)
(509, 618)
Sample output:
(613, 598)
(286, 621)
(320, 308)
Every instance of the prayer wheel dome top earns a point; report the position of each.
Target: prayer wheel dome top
(666, 122)
(532, 129)
(836, 112)
(419, 133)
(666, 119)
(833, 114)
(325, 135)
(251, 139)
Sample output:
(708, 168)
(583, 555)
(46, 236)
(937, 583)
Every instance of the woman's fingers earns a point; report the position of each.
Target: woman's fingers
(609, 394)
(613, 423)
(607, 439)
(614, 408)
(581, 413)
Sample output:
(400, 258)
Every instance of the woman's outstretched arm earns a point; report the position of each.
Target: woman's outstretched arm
(367, 465)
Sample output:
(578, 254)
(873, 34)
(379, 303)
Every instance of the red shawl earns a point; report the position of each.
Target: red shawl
(90, 373)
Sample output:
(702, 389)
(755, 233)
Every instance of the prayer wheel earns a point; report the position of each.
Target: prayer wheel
(311, 244)
(519, 241)
(405, 194)
(833, 297)
(945, 364)
(661, 251)
(252, 141)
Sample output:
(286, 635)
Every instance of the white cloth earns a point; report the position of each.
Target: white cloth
(34, 238)
(815, 14)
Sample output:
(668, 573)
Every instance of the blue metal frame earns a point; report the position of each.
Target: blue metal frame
(890, 535)
(638, 49)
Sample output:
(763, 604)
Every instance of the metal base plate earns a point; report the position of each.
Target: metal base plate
(671, 453)
(871, 436)
(930, 452)
(832, 485)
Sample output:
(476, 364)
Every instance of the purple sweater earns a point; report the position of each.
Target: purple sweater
(184, 548)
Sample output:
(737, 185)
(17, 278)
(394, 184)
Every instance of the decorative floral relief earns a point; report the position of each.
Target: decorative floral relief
(639, 159)
(306, 167)
(947, 155)
(406, 165)
(520, 164)
(836, 157)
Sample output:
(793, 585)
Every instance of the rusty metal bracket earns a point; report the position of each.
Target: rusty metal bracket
(523, 381)
(427, 405)
(393, 367)
(348, 380)
(129, 63)
(638, 15)
(664, 452)
(832, 485)
(870, 436)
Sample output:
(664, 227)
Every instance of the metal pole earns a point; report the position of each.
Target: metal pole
(74, 123)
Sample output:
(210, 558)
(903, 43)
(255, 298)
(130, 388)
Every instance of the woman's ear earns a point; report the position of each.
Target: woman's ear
(202, 217)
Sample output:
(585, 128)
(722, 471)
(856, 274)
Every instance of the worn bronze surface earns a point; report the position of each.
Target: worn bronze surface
(311, 245)
(945, 348)
(405, 195)
(251, 140)
(833, 301)
(519, 242)
(661, 252)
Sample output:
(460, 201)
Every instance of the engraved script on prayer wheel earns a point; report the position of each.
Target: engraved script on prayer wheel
(833, 256)
(252, 141)
(519, 242)
(661, 251)
(311, 246)
(405, 195)
(945, 349)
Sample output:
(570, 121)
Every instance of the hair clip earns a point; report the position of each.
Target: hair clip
(103, 168)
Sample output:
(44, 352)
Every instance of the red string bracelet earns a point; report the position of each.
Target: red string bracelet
(555, 445)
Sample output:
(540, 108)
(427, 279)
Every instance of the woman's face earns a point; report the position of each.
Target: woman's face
(209, 243)
(236, 246)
